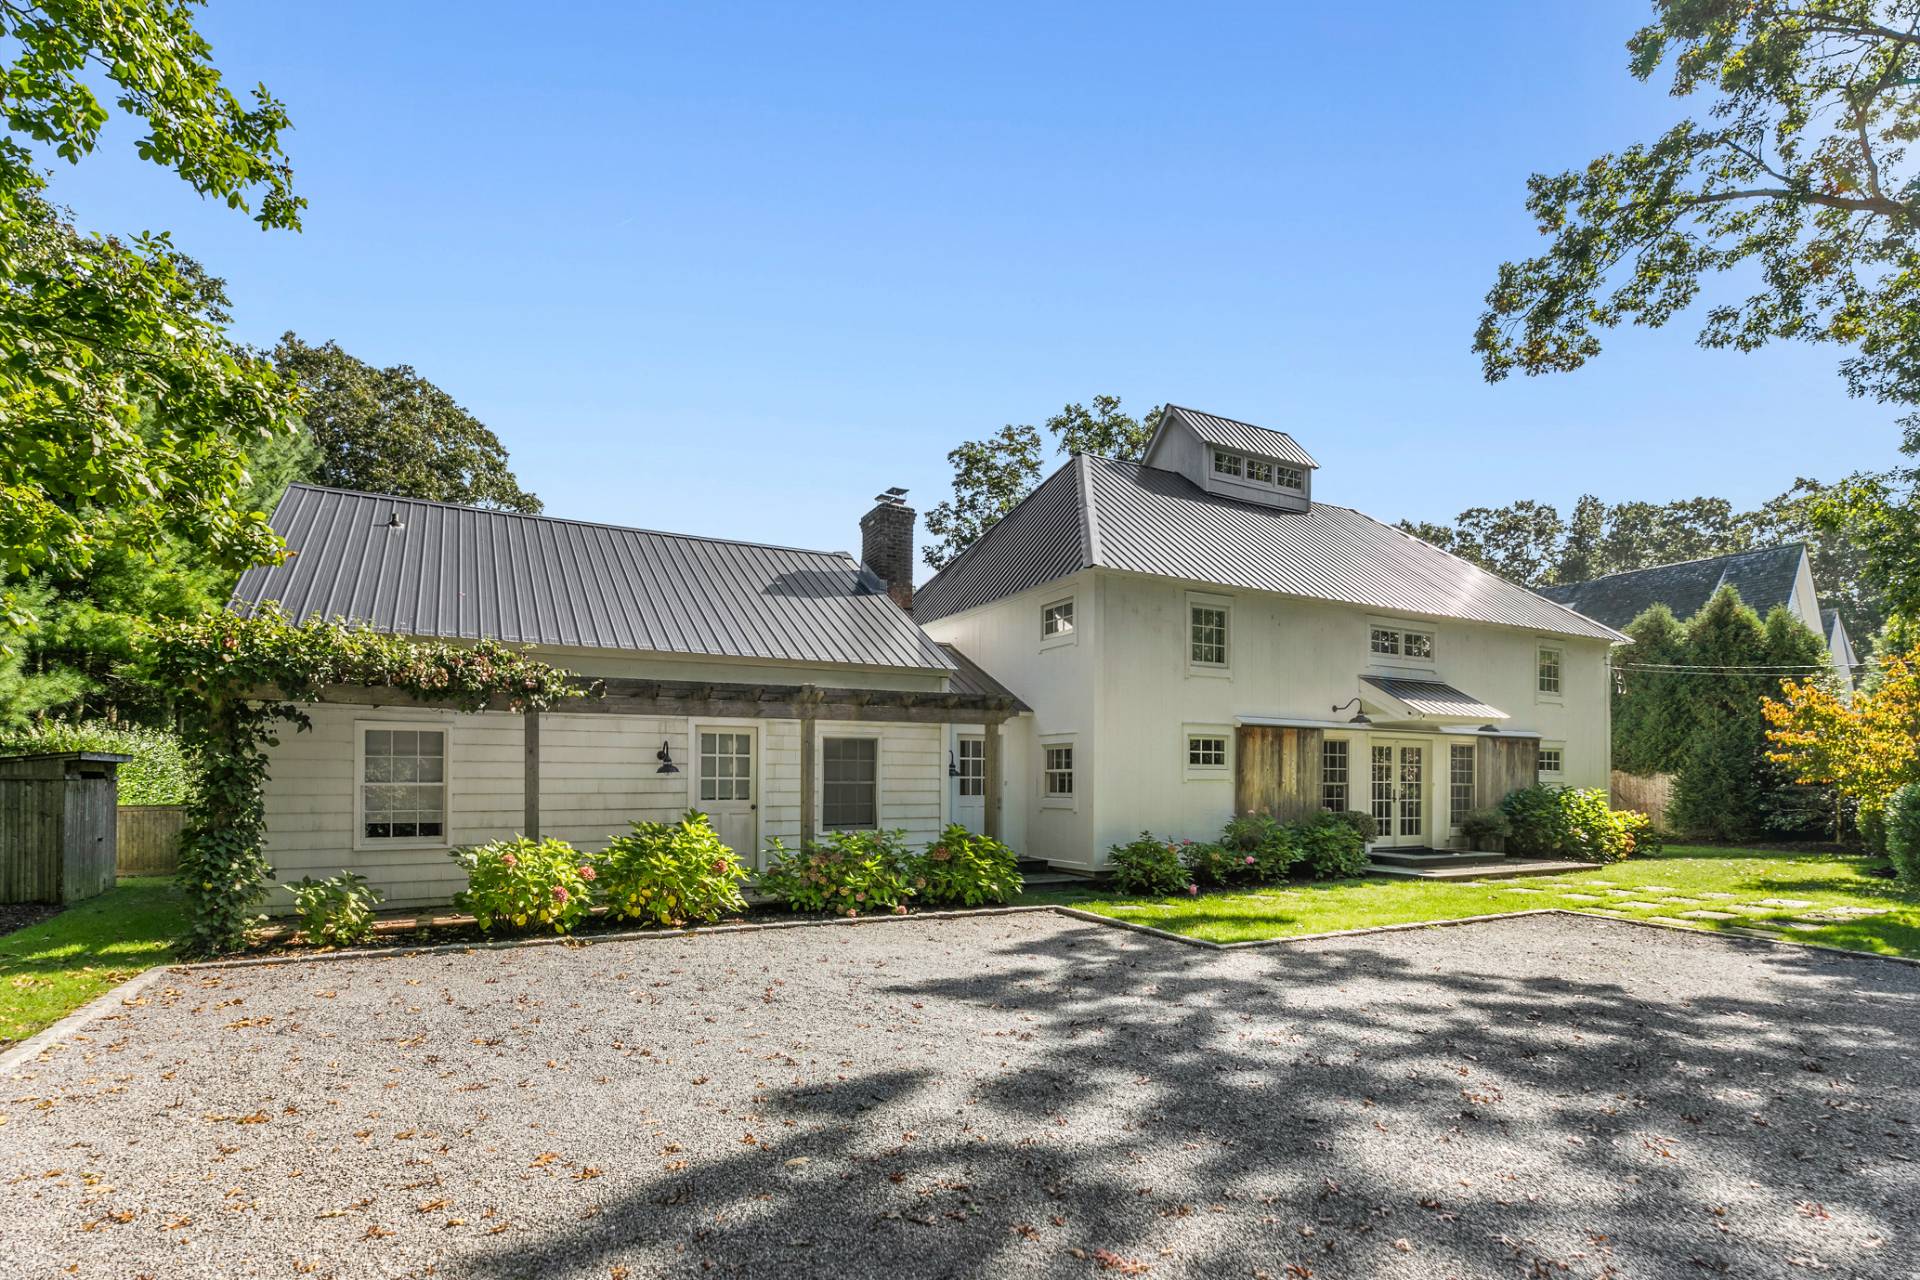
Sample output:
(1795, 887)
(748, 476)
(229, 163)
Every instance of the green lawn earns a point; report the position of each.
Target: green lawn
(1735, 882)
(52, 968)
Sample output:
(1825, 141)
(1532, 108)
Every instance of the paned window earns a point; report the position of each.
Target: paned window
(1333, 776)
(1552, 761)
(1206, 751)
(403, 784)
(1460, 781)
(726, 766)
(1258, 470)
(1056, 619)
(1226, 464)
(1549, 671)
(1209, 634)
(1291, 478)
(1058, 774)
(849, 783)
(973, 766)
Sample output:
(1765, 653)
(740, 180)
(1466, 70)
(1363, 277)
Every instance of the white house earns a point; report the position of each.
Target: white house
(779, 690)
(1196, 636)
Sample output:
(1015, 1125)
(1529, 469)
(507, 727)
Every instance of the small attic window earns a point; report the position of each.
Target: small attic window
(1226, 464)
(1258, 470)
(1291, 478)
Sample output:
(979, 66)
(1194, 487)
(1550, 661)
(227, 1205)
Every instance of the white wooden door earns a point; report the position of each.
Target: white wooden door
(726, 787)
(1397, 782)
(970, 784)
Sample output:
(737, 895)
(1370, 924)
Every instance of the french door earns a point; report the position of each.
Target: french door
(1398, 780)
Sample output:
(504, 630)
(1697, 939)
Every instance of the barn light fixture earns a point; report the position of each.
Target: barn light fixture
(394, 523)
(1359, 717)
(1487, 728)
(953, 769)
(665, 756)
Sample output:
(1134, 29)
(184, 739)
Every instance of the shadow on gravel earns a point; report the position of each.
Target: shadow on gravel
(1323, 1111)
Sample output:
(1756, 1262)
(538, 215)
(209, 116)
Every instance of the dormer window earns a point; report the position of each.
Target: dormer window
(1290, 477)
(1226, 464)
(1258, 470)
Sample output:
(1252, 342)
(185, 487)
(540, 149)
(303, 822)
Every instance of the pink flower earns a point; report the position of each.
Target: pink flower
(559, 893)
(1193, 891)
(1249, 859)
(588, 873)
(940, 854)
(1185, 843)
(508, 860)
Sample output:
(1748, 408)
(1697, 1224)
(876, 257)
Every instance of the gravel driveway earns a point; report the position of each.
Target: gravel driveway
(998, 1096)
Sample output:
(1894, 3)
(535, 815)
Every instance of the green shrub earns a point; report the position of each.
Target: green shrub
(1332, 847)
(1574, 822)
(337, 911)
(525, 884)
(1536, 821)
(1214, 864)
(1273, 846)
(1903, 833)
(1871, 823)
(846, 872)
(962, 866)
(1363, 823)
(1483, 827)
(669, 872)
(157, 774)
(1148, 867)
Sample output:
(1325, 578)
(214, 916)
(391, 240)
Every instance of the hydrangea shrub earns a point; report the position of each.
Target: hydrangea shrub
(1148, 867)
(847, 873)
(525, 884)
(670, 872)
(337, 911)
(964, 867)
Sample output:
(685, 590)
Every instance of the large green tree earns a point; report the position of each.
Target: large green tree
(1792, 184)
(992, 475)
(126, 413)
(392, 431)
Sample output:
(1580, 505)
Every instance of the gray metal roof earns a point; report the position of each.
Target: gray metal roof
(1433, 698)
(1764, 578)
(465, 573)
(1096, 512)
(970, 678)
(1228, 434)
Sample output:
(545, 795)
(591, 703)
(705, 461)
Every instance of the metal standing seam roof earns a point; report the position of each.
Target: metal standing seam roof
(1229, 434)
(456, 572)
(1096, 512)
(1434, 698)
(1764, 578)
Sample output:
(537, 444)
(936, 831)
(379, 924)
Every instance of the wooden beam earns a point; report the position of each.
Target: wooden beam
(674, 699)
(993, 770)
(531, 769)
(808, 768)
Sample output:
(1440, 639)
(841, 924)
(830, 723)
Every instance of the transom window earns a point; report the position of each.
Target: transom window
(1057, 779)
(1549, 670)
(1209, 624)
(1398, 642)
(1258, 470)
(1333, 776)
(850, 784)
(1552, 761)
(726, 766)
(403, 784)
(972, 763)
(1226, 464)
(1057, 619)
(1460, 780)
(1206, 751)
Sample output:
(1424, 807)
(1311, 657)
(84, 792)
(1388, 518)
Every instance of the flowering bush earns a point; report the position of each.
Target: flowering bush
(1273, 846)
(525, 884)
(961, 866)
(1217, 864)
(846, 872)
(337, 911)
(1148, 867)
(669, 872)
(1332, 847)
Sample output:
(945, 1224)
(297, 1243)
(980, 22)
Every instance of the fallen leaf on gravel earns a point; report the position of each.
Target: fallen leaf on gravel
(544, 1159)
(799, 1162)
(589, 1171)
(432, 1206)
(376, 1232)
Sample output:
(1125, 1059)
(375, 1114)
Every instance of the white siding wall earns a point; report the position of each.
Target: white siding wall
(1127, 692)
(597, 774)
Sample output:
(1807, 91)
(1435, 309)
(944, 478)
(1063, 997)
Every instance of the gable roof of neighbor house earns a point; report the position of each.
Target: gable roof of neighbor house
(458, 572)
(1096, 512)
(1764, 578)
(1229, 434)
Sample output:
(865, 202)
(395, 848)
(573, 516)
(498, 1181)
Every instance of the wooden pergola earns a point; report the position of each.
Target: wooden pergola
(807, 703)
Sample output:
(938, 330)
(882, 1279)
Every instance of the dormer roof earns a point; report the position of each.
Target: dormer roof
(1226, 433)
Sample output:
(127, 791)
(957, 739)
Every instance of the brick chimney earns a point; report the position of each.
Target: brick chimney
(886, 544)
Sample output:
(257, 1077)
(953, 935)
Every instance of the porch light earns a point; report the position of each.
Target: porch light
(953, 769)
(394, 523)
(665, 756)
(1487, 728)
(1359, 717)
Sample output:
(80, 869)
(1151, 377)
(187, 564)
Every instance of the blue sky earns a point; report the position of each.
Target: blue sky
(733, 269)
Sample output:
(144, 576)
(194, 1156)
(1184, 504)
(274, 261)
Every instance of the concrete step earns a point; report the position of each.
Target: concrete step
(1435, 857)
(1504, 868)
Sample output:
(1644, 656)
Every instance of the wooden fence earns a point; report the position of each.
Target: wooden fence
(1649, 793)
(149, 839)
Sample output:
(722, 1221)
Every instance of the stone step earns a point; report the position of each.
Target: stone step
(1504, 869)
(1435, 857)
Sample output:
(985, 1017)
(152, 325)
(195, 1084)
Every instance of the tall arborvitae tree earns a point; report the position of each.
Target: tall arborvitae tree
(1650, 721)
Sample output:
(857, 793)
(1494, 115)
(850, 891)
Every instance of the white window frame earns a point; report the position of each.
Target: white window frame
(1206, 772)
(1289, 477)
(1047, 799)
(1400, 630)
(1559, 691)
(839, 731)
(1259, 471)
(1229, 464)
(1456, 811)
(361, 840)
(1544, 774)
(1346, 783)
(1072, 634)
(1223, 605)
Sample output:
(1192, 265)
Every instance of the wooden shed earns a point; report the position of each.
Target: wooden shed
(57, 825)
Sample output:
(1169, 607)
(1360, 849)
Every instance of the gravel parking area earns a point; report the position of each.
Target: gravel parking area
(1020, 1095)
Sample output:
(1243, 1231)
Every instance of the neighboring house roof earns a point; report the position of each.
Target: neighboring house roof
(1228, 434)
(969, 678)
(1764, 578)
(464, 573)
(1096, 512)
(1434, 698)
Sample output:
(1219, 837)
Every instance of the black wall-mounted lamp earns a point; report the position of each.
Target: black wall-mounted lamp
(1359, 717)
(953, 769)
(1487, 728)
(394, 523)
(665, 756)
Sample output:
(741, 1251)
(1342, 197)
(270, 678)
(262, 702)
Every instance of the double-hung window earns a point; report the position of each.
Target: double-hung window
(1460, 794)
(1207, 624)
(850, 784)
(1057, 773)
(403, 784)
(972, 763)
(1333, 775)
(1549, 672)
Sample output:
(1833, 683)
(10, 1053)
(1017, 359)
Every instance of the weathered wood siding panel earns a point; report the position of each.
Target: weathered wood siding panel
(1277, 771)
(1649, 794)
(1505, 765)
(56, 829)
(149, 839)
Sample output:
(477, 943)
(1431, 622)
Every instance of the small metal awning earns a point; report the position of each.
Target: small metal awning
(1428, 700)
